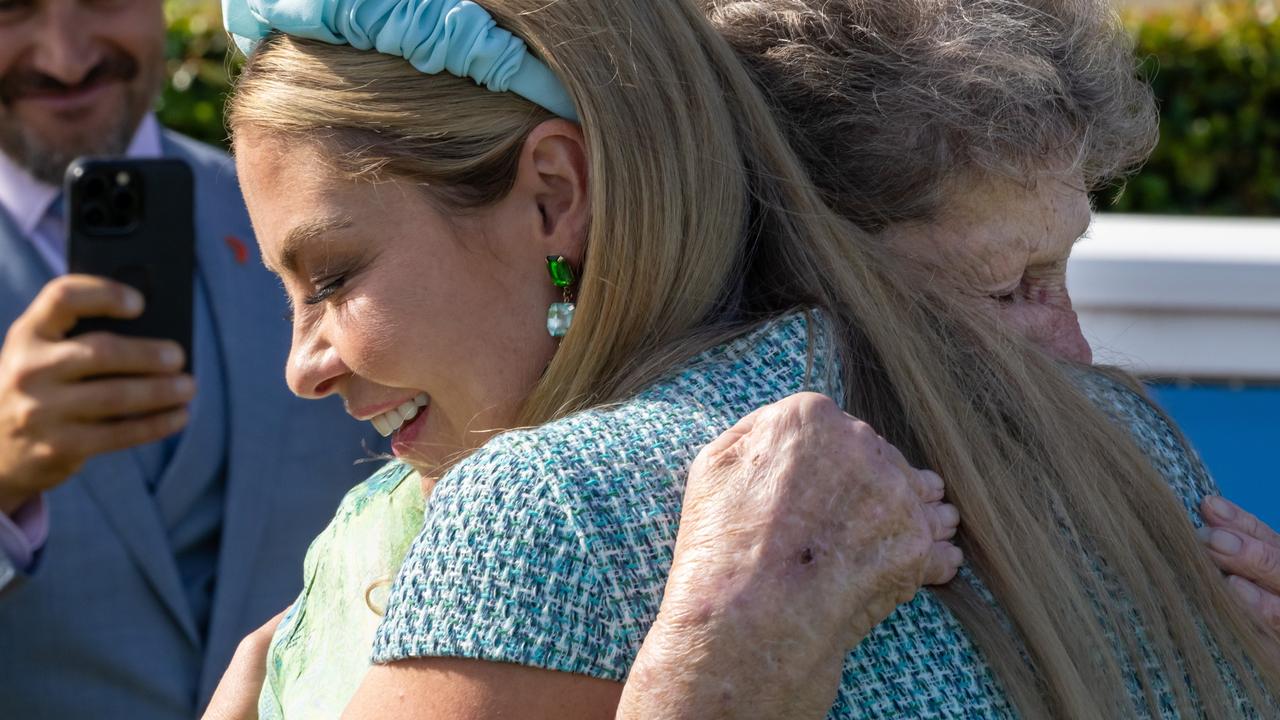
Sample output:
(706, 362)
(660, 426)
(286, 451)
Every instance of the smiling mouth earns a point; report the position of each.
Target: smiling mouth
(392, 420)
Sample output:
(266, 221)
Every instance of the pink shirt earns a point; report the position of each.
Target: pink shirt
(27, 200)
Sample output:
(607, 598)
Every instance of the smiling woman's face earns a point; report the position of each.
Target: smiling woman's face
(399, 308)
(1003, 245)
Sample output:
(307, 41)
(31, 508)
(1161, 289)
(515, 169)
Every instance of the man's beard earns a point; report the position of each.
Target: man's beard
(47, 161)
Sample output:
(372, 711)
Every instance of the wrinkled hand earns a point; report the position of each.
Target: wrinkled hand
(237, 695)
(64, 400)
(1248, 551)
(802, 530)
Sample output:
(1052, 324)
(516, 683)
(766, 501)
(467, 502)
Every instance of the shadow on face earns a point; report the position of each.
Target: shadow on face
(1003, 245)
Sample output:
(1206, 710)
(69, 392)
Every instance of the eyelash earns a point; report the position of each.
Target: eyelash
(325, 292)
(315, 298)
(1010, 296)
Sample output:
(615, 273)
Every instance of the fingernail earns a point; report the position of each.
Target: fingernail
(950, 515)
(1246, 590)
(184, 385)
(1225, 542)
(1221, 508)
(171, 356)
(132, 301)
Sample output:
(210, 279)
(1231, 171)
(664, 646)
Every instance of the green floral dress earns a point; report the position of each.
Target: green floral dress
(321, 649)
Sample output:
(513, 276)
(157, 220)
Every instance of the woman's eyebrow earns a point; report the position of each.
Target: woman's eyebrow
(303, 233)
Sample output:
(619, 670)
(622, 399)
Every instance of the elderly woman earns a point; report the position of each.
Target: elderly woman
(711, 280)
(965, 136)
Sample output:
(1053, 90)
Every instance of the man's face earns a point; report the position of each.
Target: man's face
(76, 78)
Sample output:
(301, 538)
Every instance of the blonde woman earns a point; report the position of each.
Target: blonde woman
(694, 275)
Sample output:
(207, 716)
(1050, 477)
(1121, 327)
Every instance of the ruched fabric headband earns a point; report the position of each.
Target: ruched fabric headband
(455, 36)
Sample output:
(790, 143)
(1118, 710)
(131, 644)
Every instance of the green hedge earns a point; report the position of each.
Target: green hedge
(1215, 68)
(199, 70)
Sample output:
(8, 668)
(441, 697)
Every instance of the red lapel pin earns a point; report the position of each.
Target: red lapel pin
(238, 248)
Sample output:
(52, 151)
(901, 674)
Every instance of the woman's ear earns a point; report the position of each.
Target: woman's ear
(552, 179)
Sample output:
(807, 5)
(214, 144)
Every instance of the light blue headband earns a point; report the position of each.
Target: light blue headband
(457, 36)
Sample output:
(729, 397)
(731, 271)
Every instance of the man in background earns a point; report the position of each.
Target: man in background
(148, 519)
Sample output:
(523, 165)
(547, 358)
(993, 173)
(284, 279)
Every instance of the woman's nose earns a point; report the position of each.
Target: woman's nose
(314, 368)
(1054, 328)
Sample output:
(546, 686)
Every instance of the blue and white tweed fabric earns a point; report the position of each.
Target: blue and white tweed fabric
(550, 547)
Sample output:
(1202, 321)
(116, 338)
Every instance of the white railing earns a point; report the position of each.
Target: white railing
(1184, 297)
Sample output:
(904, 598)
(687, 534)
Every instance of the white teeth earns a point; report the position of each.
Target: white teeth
(392, 420)
(387, 423)
(408, 410)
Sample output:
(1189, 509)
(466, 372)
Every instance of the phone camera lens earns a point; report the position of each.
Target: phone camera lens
(125, 200)
(95, 215)
(95, 186)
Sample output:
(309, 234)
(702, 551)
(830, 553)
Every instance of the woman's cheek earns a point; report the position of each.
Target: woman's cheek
(374, 339)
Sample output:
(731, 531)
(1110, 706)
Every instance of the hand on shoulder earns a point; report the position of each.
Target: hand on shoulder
(802, 529)
(1248, 552)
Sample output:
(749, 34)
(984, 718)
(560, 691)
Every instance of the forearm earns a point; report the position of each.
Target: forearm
(726, 667)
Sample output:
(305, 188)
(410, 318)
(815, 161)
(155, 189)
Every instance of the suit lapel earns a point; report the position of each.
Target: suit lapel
(22, 272)
(117, 484)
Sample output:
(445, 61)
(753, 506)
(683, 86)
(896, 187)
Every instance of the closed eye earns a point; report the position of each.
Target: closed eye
(325, 292)
(1009, 295)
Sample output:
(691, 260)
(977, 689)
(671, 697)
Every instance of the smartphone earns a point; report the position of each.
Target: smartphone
(133, 221)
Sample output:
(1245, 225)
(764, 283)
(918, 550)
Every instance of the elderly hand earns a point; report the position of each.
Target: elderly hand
(237, 695)
(802, 529)
(1248, 551)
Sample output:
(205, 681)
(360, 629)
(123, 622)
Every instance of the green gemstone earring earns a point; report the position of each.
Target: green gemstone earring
(560, 315)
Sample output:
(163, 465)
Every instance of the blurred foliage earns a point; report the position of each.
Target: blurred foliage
(199, 70)
(1215, 67)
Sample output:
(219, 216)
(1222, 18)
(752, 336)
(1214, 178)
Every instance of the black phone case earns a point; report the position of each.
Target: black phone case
(133, 221)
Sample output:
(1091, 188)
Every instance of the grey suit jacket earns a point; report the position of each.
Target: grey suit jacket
(102, 628)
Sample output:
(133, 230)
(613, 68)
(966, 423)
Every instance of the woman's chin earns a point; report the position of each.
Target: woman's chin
(427, 461)
(420, 444)
(431, 448)
(413, 443)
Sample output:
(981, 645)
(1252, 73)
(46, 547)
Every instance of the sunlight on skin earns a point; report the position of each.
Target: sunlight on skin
(1003, 245)
(393, 300)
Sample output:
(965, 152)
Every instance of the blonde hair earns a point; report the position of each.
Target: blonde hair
(703, 225)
